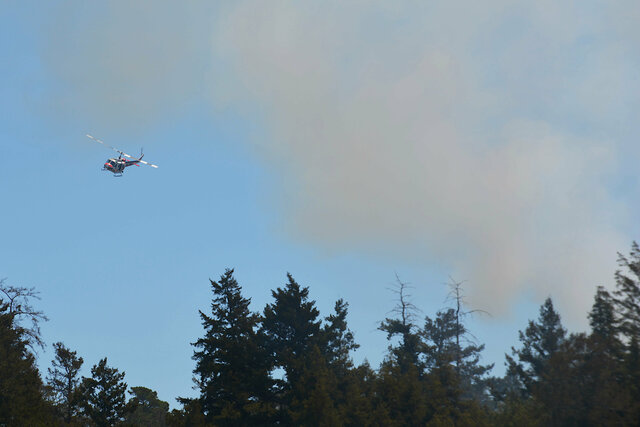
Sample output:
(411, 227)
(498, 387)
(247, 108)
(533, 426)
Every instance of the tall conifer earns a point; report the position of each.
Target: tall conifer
(63, 380)
(103, 395)
(232, 368)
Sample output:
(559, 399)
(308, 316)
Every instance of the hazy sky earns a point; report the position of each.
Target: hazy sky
(492, 142)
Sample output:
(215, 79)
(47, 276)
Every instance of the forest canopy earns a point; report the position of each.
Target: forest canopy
(291, 365)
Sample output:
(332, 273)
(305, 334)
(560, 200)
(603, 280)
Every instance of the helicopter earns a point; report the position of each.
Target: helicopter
(117, 166)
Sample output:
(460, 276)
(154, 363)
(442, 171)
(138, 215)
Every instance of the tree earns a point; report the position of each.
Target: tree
(21, 388)
(191, 414)
(145, 409)
(294, 341)
(627, 293)
(402, 385)
(339, 341)
(232, 366)
(63, 380)
(447, 355)
(364, 405)
(627, 307)
(407, 354)
(103, 395)
(605, 398)
(18, 304)
(539, 341)
(602, 318)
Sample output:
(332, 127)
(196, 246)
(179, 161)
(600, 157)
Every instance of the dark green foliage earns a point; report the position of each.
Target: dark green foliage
(338, 339)
(21, 401)
(21, 388)
(103, 395)
(602, 316)
(364, 404)
(191, 414)
(457, 365)
(601, 370)
(407, 354)
(291, 324)
(318, 385)
(539, 341)
(232, 366)
(627, 308)
(405, 396)
(18, 304)
(312, 397)
(292, 328)
(292, 367)
(627, 293)
(63, 381)
(145, 409)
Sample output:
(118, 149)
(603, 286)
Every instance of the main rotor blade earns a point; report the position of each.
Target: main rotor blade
(122, 152)
(149, 164)
(107, 145)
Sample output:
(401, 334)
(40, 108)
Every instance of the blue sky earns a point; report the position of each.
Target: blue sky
(343, 144)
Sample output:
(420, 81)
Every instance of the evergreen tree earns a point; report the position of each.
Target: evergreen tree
(605, 398)
(602, 316)
(313, 394)
(407, 395)
(294, 341)
(232, 366)
(18, 304)
(338, 339)
(364, 403)
(145, 409)
(103, 395)
(406, 355)
(627, 293)
(191, 414)
(408, 399)
(447, 355)
(539, 341)
(338, 343)
(63, 380)
(627, 306)
(21, 388)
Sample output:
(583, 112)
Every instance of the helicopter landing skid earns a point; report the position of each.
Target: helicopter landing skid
(115, 174)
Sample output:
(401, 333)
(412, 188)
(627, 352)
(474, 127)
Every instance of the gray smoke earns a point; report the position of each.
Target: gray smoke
(479, 136)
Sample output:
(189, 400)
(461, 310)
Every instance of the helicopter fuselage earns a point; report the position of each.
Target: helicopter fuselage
(117, 166)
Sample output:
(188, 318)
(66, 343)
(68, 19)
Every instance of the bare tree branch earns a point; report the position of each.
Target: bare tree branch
(16, 302)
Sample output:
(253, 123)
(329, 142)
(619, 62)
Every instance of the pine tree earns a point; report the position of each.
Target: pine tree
(191, 414)
(408, 399)
(364, 403)
(338, 343)
(627, 307)
(447, 355)
(539, 341)
(294, 341)
(21, 388)
(338, 339)
(103, 395)
(627, 293)
(406, 355)
(402, 385)
(602, 316)
(145, 409)
(232, 366)
(63, 380)
(604, 395)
